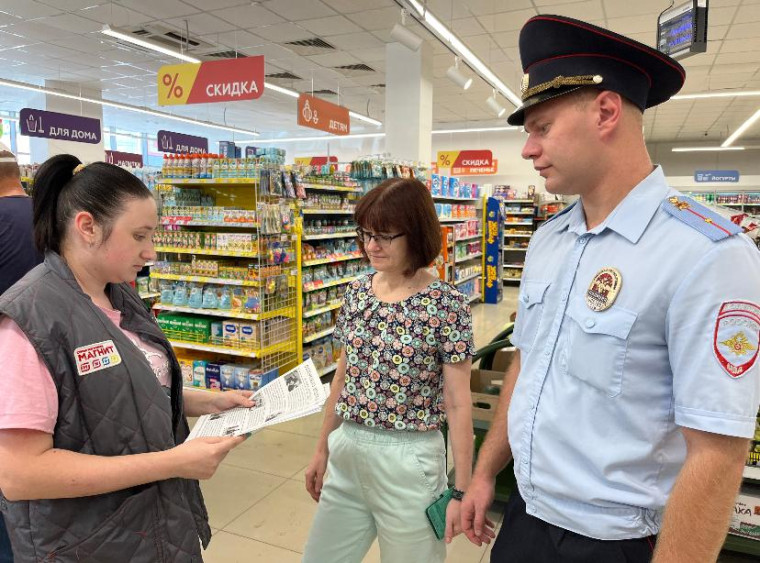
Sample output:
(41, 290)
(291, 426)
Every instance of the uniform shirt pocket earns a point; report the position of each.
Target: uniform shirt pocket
(530, 310)
(597, 347)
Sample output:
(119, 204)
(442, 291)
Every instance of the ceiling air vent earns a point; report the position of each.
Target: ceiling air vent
(227, 54)
(313, 46)
(353, 71)
(378, 86)
(168, 38)
(283, 76)
(325, 92)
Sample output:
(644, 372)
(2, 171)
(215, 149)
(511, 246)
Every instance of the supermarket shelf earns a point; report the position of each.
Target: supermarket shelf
(448, 198)
(327, 369)
(514, 265)
(526, 213)
(285, 312)
(517, 235)
(173, 220)
(326, 309)
(312, 287)
(507, 278)
(732, 204)
(207, 251)
(469, 257)
(473, 237)
(518, 248)
(523, 223)
(207, 181)
(328, 211)
(474, 297)
(318, 335)
(245, 352)
(325, 187)
(149, 295)
(204, 279)
(742, 545)
(456, 219)
(752, 472)
(320, 261)
(331, 235)
(468, 278)
(518, 201)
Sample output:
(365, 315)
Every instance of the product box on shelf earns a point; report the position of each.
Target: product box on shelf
(213, 376)
(199, 373)
(745, 520)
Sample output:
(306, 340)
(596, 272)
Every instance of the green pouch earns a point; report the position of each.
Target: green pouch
(436, 514)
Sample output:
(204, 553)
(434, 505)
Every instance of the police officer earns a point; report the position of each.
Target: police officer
(635, 387)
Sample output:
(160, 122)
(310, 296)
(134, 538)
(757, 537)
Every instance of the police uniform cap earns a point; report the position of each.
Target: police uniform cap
(560, 55)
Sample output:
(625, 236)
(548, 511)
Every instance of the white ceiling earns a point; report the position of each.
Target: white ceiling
(59, 40)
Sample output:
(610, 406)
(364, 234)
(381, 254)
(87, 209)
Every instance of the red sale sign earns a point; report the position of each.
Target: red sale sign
(228, 80)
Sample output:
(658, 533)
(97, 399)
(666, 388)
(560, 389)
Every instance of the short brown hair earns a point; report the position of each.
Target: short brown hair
(9, 169)
(403, 205)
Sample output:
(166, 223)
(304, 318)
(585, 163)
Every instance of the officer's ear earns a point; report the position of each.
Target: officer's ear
(609, 112)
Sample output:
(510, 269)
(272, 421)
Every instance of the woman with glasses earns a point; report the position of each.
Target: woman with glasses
(404, 370)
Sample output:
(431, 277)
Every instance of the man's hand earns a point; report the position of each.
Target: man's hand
(453, 520)
(315, 473)
(475, 504)
(229, 400)
(200, 458)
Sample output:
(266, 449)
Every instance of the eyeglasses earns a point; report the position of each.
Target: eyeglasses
(384, 241)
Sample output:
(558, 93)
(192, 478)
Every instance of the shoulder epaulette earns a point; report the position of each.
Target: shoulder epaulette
(697, 216)
(565, 210)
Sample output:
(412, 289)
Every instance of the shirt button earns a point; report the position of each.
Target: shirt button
(548, 353)
(590, 323)
(581, 240)
(525, 298)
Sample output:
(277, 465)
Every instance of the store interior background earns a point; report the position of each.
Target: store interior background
(259, 509)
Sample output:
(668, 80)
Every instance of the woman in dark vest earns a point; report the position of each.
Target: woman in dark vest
(95, 466)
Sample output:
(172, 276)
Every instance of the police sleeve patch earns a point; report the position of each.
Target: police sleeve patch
(737, 337)
(700, 218)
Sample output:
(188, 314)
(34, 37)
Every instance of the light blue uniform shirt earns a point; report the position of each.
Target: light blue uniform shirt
(595, 415)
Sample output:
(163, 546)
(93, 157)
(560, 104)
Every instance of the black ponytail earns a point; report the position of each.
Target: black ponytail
(100, 189)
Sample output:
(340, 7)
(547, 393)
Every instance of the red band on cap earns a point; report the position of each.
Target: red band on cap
(662, 58)
(641, 70)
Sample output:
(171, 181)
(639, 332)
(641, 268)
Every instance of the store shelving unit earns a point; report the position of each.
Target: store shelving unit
(464, 245)
(518, 229)
(747, 201)
(212, 244)
(330, 260)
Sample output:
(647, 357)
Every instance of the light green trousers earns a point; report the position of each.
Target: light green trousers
(378, 484)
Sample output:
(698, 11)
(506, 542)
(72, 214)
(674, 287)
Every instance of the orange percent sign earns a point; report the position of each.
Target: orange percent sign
(445, 161)
(170, 81)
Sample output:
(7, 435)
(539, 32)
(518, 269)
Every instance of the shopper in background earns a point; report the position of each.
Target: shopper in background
(92, 411)
(404, 370)
(17, 255)
(635, 388)
(17, 252)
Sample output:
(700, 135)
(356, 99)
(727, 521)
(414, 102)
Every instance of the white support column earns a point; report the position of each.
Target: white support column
(408, 102)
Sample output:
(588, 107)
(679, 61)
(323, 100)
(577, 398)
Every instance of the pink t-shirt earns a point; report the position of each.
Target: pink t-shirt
(29, 399)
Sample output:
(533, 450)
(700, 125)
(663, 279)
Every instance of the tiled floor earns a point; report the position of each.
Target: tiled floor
(258, 507)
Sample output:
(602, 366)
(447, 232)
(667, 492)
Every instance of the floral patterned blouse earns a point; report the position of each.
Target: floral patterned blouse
(396, 353)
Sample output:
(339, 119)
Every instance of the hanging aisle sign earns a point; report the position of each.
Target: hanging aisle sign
(168, 141)
(731, 176)
(60, 126)
(322, 115)
(228, 80)
(468, 163)
(124, 158)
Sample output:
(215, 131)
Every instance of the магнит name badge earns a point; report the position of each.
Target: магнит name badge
(95, 357)
(737, 337)
(604, 289)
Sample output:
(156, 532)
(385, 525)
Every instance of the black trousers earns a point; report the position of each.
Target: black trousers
(526, 539)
